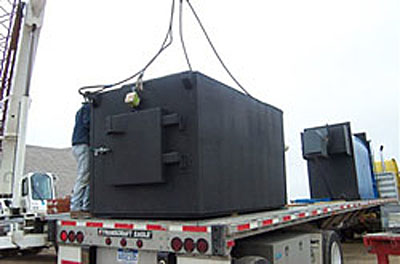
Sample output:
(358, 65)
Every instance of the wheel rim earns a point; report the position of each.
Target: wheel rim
(336, 257)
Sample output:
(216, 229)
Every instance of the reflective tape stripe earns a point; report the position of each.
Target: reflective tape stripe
(68, 223)
(243, 227)
(155, 228)
(123, 226)
(70, 262)
(315, 212)
(194, 229)
(267, 222)
(287, 218)
(198, 229)
(301, 215)
(94, 224)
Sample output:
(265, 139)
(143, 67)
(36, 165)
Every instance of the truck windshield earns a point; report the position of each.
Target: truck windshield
(41, 187)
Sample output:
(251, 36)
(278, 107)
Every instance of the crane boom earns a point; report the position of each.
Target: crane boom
(16, 101)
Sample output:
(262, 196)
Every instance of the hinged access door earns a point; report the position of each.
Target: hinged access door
(135, 143)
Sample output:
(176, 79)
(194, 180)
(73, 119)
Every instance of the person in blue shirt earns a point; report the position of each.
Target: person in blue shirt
(80, 148)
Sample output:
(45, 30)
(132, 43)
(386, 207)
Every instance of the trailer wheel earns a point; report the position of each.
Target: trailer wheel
(332, 248)
(252, 260)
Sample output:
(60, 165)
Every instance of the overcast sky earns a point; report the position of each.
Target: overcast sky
(319, 61)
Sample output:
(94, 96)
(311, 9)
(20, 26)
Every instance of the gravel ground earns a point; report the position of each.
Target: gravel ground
(47, 256)
(354, 253)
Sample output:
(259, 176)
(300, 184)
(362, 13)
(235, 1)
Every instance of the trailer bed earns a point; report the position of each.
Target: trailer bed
(219, 233)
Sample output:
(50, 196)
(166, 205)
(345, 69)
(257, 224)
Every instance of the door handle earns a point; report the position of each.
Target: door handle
(101, 151)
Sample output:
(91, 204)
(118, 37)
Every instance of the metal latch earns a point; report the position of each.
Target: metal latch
(100, 151)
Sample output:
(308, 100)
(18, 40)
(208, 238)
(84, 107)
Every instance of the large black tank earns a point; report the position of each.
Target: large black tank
(193, 148)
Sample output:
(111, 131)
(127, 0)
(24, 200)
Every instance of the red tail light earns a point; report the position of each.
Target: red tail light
(202, 245)
(189, 245)
(63, 236)
(108, 241)
(123, 242)
(80, 237)
(139, 243)
(176, 244)
(71, 236)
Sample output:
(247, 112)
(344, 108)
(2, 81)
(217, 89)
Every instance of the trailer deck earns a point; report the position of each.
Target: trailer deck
(217, 235)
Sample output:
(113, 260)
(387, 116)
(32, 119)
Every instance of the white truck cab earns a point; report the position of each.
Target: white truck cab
(36, 189)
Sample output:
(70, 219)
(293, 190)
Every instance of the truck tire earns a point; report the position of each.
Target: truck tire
(332, 249)
(252, 260)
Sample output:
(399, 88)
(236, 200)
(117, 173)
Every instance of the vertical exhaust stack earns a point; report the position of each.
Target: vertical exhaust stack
(382, 158)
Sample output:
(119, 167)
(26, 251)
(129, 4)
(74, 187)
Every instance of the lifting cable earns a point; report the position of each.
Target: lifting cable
(215, 50)
(181, 35)
(166, 43)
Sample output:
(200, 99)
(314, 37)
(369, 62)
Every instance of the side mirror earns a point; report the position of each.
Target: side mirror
(55, 177)
(7, 203)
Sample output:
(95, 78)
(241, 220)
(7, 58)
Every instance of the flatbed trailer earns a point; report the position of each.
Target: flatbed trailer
(194, 241)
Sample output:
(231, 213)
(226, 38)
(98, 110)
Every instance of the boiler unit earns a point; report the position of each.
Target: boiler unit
(339, 163)
(192, 148)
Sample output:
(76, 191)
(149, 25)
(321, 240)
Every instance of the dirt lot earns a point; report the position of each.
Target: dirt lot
(45, 257)
(355, 253)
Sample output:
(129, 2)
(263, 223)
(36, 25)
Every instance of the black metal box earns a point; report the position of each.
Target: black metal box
(193, 148)
(332, 175)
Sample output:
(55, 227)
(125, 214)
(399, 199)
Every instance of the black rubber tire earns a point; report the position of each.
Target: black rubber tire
(252, 260)
(331, 239)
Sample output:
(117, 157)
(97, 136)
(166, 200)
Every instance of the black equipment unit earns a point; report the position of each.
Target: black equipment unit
(330, 161)
(194, 147)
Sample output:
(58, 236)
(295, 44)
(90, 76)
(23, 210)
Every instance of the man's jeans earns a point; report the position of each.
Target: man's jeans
(80, 197)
